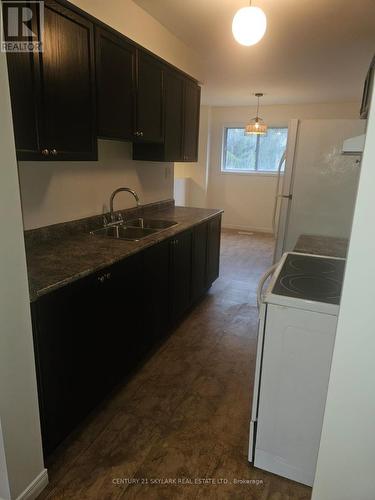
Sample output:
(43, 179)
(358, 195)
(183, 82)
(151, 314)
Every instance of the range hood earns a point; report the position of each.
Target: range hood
(354, 145)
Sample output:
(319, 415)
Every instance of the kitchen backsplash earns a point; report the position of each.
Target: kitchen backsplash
(55, 192)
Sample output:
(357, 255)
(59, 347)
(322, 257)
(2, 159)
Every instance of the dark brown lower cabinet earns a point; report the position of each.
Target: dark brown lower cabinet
(90, 334)
(199, 261)
(156, 290)
(213, 250)
(87, 335)
(180, 274)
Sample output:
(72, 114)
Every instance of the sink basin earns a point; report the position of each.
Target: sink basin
(151, 223)
(135, 229)
(120, 232)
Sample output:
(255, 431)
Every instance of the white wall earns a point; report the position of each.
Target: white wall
(182, 191)
(197, 173)
(21, 460)
(345, 469)
(55, 192)
(248, 198)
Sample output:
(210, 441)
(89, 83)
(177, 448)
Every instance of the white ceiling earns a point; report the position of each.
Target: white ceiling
(313, 50)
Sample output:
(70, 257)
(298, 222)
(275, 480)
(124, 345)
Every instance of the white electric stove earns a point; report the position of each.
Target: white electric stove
(297, 326)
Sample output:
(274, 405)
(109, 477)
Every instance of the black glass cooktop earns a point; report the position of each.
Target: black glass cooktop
(311, 278)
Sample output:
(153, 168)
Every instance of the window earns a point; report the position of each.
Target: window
(253, 153)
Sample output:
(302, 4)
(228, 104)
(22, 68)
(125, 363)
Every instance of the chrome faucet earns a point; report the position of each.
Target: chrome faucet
(119, 190)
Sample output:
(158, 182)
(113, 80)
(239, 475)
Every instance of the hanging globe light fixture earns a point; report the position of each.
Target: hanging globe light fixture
(256, 125)
(249, 25)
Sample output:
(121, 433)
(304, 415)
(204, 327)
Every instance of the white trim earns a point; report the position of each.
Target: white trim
(260, 173)
(35, 487)
(254, 229)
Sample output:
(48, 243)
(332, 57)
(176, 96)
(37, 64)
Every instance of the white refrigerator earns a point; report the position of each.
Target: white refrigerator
(319, 185)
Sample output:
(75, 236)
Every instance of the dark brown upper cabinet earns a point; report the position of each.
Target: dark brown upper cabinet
(115, 77)
(60, 123)
(181, 122)
(23, 72)
(91, 81)
(173, 115)
(149, 125)
(192, 98)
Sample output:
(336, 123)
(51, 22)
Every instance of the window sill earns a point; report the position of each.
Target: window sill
(251, 173)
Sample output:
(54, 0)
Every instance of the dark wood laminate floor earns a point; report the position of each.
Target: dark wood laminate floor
(185, 413)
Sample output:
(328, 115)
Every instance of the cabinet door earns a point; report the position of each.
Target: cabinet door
(180, 295)
(24, 83)
(115, 63)
(199, 261)
(87, 337)
(122, 323)
(68, 85)
(156, 291)
(191, 120)
(173, 116)
(213, 249)
(66, 339)
(149, 99)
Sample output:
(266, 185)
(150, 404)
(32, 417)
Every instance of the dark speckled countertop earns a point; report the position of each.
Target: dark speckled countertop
(55, 261)
(322, 245)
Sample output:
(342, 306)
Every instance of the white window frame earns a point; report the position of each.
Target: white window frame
(225, 171)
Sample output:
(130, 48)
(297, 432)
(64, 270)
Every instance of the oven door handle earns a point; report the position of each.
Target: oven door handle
(262, 281)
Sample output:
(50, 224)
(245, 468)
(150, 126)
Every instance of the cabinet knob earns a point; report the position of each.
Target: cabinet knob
(45, 152)
(54, 152)
(104, 277)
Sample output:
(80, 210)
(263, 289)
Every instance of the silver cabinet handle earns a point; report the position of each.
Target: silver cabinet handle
(45, 152)
(54, 152)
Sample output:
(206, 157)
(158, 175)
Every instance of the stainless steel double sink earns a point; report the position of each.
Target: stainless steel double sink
(135, 229)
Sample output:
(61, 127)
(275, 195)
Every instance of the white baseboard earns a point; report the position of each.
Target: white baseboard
(253, 229)
(35, 487)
